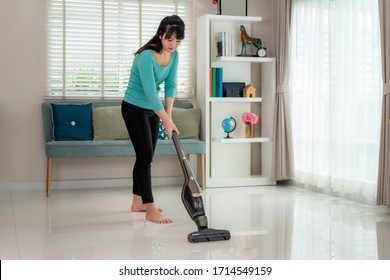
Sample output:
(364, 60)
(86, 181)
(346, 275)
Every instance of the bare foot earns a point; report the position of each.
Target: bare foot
(138, 205)
(141, 209)
(155, 216)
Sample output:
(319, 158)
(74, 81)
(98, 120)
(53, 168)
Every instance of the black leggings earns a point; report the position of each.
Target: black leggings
(142, 125)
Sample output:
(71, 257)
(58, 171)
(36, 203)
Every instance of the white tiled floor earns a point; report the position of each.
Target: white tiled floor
(270, 223)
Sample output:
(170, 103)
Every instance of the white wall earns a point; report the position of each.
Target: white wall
(22, 75)
(22, 89)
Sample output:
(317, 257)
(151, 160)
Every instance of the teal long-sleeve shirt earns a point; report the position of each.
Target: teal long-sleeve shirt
(146, 76)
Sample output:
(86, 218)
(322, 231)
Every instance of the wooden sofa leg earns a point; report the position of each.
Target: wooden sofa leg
(48, 177)
(201, 157)
(202, 176)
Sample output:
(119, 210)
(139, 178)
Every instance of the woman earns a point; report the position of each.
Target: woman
(154, 63)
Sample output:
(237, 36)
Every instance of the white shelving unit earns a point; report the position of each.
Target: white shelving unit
(242, 140)
(236, 161)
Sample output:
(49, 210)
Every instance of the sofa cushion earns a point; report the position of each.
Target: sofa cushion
(108, 123)
(117, 148)
(161, 132)
(187, 121)
(72, 121)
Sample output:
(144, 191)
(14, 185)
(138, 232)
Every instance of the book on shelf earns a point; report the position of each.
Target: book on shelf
(216, 82)
(219, 82)
(218, 42)
(210, 81)
(225, 44)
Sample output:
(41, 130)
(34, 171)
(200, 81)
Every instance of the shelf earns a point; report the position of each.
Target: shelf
(235, 99)
(234, 162)
(251, 59)
(234, 19)
(242, 140)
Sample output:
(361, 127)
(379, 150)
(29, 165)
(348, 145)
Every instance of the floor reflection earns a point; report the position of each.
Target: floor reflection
(383, 235)
(266, 223)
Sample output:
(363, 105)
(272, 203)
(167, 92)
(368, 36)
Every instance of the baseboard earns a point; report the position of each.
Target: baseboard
(91, 183)
(289, 182)
(328, 191)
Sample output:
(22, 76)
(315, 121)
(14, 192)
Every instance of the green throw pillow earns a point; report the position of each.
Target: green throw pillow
(108, 123)
(187, 121)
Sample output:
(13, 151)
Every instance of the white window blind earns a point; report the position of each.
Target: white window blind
(91, 44)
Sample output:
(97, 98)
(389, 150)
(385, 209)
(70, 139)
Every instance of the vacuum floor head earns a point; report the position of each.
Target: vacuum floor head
(209, 234)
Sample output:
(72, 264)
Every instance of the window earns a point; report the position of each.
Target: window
(336, 95)
(91, 44)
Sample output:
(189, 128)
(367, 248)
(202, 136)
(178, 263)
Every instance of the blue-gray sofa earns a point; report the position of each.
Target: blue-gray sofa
(99, 146)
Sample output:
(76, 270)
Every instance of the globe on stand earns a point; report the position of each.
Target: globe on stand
(229, 125)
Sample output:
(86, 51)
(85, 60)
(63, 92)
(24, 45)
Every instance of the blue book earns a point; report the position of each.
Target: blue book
(220, 81)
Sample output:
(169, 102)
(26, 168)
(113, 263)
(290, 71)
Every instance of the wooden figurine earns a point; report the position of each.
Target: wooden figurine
(246, 39)
(249, 91)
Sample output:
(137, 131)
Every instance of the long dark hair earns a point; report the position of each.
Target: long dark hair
(168, 26)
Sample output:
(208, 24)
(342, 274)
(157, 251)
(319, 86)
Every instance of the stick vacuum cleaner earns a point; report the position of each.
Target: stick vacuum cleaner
(193, 201)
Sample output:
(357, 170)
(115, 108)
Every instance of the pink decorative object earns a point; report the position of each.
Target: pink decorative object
(250, 118)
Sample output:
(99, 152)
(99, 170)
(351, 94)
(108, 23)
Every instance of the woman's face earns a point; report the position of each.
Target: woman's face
(170, 44)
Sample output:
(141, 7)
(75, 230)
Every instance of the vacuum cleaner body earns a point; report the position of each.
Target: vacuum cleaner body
(193, 202)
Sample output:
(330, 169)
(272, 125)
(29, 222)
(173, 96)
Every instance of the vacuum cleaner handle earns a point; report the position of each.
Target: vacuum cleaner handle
(178, 145)
(191, 195)
(184, 162)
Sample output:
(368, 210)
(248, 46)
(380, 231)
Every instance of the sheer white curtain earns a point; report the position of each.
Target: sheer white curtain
(336, 94)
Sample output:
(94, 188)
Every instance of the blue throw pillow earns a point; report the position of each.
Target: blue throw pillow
(161, 132)
(72, 121)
